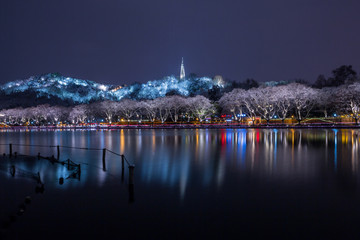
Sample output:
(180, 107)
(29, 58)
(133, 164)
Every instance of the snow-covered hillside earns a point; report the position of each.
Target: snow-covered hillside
(83, 91)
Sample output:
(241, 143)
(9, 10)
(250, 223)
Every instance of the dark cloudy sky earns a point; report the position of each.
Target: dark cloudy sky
(116, 41)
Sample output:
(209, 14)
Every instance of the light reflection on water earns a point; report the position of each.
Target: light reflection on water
(177, 158)
(196, 181)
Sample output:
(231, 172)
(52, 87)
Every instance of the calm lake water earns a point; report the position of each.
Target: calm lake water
(216, 184)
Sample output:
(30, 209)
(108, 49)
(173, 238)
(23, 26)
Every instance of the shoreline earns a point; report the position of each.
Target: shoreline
(184, 126)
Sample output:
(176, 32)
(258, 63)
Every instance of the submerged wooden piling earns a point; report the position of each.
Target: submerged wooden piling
(58, 152)
(103, 159)
(131, 175)
(12, 170)
(122, 162)
(10, 150)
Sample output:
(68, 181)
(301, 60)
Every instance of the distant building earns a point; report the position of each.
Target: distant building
(118, 88)
(219, 81)
(182, 70)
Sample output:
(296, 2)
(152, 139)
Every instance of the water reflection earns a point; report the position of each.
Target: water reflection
(178, 158)
(208, 156)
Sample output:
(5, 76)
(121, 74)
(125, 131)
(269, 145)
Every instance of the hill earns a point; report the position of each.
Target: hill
(55, 89)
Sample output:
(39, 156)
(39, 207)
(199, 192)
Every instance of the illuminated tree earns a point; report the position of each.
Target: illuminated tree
(127, 108)
(233, 103)
(263, 101)
(149, 109)
(108, 109)
(200, 107)
(39, 113)
(13, 115)
(303, 100)
(55, 113)
(283, 99)
(326, 100)
(162, 108)
(349, 100)
(175, 105)
(78, 114)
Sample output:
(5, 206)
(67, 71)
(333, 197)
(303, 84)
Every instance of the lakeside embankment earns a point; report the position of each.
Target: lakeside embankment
(180, 126)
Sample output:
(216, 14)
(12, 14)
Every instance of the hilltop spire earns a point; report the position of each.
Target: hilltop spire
(182, 69)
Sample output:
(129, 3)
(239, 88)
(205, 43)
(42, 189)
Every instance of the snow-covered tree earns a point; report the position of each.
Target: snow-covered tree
(283, 99)
(39, 113)
(78, 114)
(55, 113)
(175, 105)
(162, 108)
(233, 102)
(325, 100)
(263, 100)
(304, 98)
(200, 107)
(250, 105)
(127, 109)
(149, 109)
(108, 109)
(13, 115)
(348, 97)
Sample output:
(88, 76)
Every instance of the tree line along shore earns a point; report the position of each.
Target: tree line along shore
(287, 105)
(334, 101)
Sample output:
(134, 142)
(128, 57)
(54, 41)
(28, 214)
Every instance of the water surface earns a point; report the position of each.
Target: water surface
(288, 183)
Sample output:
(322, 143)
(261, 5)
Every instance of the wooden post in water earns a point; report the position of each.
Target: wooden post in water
(10, 150)
(39, 156)
(12, 170)
(68, 164)
(58, 152)
(131, 174)
(104, 153)
(122, 162)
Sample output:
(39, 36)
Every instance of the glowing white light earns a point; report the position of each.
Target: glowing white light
(103, 87)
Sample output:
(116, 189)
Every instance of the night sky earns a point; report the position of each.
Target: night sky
(117, 42)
